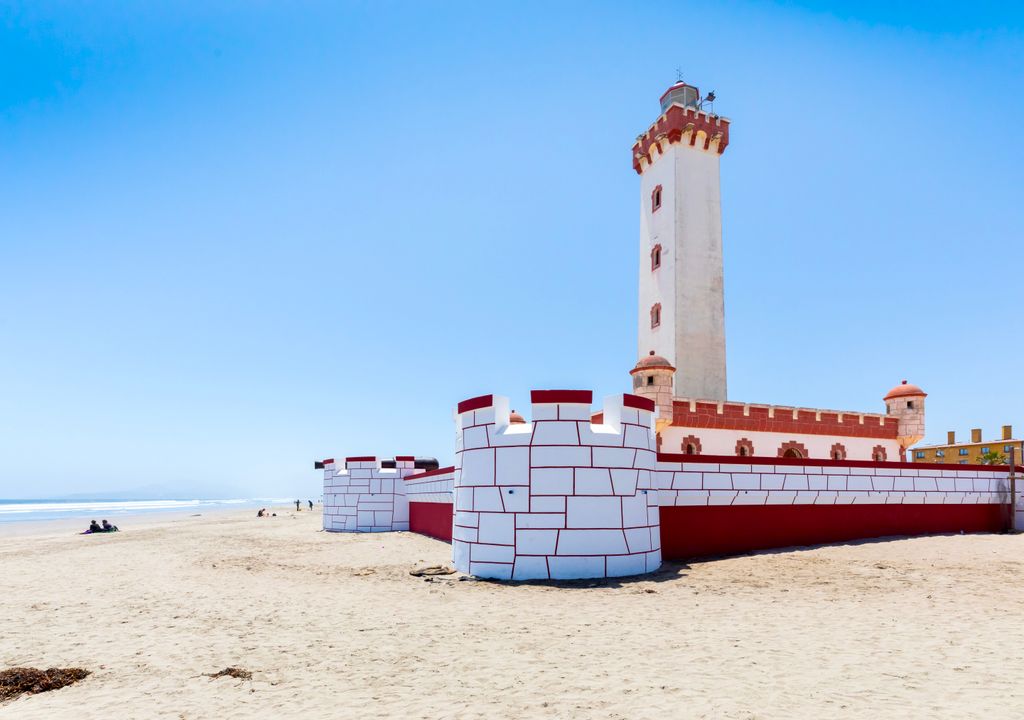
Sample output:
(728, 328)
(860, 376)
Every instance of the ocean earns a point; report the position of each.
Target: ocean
(22, 510)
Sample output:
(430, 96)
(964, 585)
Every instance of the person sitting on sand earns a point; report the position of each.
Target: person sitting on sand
(262, 512)
(107, 527)
(94, 527)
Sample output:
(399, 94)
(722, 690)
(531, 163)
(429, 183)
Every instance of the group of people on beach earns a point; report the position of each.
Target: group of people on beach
(95, 527)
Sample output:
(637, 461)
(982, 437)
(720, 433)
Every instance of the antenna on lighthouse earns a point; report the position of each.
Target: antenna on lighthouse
(679, 74)
(710, 100)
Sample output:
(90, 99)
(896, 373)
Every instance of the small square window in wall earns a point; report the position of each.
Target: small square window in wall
(656, 315)
(656, 199)
(656, 257)
(940, 453)
(919, 454)
(963, 451)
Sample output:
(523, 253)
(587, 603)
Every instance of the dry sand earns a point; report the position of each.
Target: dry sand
(334, 626)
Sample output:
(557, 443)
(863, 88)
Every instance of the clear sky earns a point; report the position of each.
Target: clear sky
(238, 237)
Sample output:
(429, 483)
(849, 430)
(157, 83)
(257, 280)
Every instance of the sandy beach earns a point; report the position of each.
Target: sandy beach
(333, 625)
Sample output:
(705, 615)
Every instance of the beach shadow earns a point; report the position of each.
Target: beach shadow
(668, 572)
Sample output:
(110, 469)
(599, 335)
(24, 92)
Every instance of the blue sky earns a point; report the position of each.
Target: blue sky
(237, 237)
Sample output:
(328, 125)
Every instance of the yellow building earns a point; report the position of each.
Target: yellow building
(970, 453)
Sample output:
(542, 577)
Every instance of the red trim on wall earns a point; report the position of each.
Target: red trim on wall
(732, 417)
(562, 396)
(361, 458)
(733, 460)
(483, 401)
(432, 519)
(327, 461)
(430, 473)
(705, 531)
(638, 402)
(405, 457)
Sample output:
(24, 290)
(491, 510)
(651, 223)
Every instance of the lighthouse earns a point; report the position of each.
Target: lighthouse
(681, 297)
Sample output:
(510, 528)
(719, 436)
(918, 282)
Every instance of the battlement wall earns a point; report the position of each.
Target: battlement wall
(781, 419)
(556, 497)
(365, 496)
(716, 505)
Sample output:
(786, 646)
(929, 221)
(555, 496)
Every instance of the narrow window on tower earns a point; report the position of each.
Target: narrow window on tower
(656, 257)
(656, 316)
(656, 198)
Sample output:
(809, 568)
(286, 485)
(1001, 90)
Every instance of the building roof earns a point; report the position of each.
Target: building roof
(905, 390)
(652, 362)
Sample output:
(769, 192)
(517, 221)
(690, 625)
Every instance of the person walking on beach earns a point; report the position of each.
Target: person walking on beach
(311, 506)
(297, 506)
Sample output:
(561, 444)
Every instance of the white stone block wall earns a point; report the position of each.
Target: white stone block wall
(717, 482)
(555, 498)
(365, 497)
(432, 486)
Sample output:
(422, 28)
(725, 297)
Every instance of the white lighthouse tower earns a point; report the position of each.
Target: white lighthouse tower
(682, 304)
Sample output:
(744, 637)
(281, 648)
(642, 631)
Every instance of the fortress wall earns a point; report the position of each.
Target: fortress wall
(724, 505)
(431, 502)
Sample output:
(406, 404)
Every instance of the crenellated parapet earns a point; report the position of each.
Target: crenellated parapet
(368, 495)
(678, 124)
(556, 497)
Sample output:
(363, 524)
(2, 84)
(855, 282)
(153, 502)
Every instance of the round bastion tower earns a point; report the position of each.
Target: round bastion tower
(906, 402)
(652, 378)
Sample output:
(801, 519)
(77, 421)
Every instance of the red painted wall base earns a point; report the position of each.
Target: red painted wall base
(703, 531)
(431, 519)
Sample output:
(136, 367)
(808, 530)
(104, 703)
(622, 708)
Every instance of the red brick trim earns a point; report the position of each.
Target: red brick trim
(731, 460)
(673, 124)
(655, 315)
(837, 452)
(744, 444)
(656, 257)
(328, 461)
(690, 440)
(635, 401)
(362, 458)
(737, 416)
(561, 396)
(430, 473)
(878, 453)
(477, 403)
(659, 439)
(405, 457)
(794, 446)
(656, 198)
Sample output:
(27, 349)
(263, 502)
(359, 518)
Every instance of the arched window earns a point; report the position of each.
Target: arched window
(744, 447)
(656, 315)
(878, 454)
(691, 445)
(838, 452)
(656, 257)
(792, 449)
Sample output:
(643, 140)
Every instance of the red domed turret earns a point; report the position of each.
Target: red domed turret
(905, 390)
(652, 362)
(516, 419)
